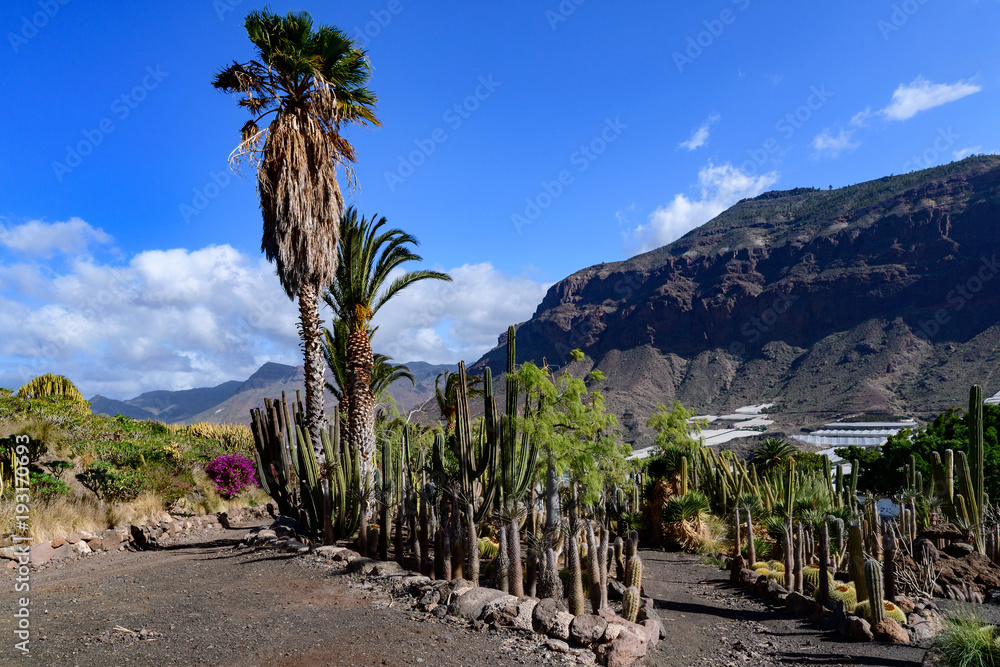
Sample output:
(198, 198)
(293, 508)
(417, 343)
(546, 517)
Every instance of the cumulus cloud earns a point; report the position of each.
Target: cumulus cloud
(177, 319)
(909, 100)
(963, 153)
(44, 239)
(441, 322)
(828, 145)
(700, 136)
(721, 187)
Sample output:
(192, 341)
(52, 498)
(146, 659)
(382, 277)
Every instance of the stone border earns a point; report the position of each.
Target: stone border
(605, 637)
(151, 534)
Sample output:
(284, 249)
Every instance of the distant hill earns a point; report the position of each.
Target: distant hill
(230, 402)
(878, 297)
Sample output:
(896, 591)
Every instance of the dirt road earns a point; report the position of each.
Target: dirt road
(204, 603)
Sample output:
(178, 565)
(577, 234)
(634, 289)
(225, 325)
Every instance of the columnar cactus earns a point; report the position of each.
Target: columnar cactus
(515, 573)
(873, 580)
(857, 562)
(799, 558)
(888, 565)
(576, 605)
(472, 541)
(823, 590)
(602, 564)
(751, 547)
(630, 604)
(619, 559)
(633, 572)
(501, 564)
(630, 548)
(789, 557)
(532, 586)
(684, 475)
(737, 537)
(593, 568)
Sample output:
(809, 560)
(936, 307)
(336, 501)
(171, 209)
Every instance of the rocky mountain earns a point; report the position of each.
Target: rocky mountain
(876, 297)
(230, 402)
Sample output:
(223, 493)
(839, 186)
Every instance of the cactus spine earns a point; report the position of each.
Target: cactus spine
(873, 581)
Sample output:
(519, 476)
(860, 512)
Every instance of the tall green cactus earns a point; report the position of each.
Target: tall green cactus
(976, 461)
(855, 546)
(630, 604)
(873, 582)
(576, 604)
(633, 572)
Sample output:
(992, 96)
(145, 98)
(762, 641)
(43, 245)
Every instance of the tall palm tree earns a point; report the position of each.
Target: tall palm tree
(313, 80)
(772, 454)
(384, 373)
(366, 279)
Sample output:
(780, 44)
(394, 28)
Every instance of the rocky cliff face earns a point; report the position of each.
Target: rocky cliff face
(882, 296)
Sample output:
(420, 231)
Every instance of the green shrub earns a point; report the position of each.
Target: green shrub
(968, 641)
(112, 484)
(45, 487)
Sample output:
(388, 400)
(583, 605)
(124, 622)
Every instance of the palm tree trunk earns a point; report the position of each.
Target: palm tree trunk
(361, 419)
(311, 331)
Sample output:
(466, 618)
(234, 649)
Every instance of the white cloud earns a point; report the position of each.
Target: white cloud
(442, 322)
(177, 319)
(43, 239)
(700, 136)
(862, 118)
(721, 187)
(963, 153)
(827, 145)
(908, 101)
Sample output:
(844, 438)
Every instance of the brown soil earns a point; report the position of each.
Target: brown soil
(205, 603)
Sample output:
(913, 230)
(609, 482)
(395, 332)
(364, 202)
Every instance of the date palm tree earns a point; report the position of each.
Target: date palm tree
(311, 80)
(367, 278)
(772, 454)
(384, 373)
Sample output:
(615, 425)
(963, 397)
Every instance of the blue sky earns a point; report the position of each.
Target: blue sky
(519, 144)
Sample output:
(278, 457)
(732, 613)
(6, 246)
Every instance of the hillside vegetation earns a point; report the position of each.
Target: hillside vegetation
(91, 472)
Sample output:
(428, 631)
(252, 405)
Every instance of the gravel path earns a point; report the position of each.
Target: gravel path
(201, 602)
(710, 622)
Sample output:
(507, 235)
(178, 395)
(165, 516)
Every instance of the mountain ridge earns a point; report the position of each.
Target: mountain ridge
(827, 301)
